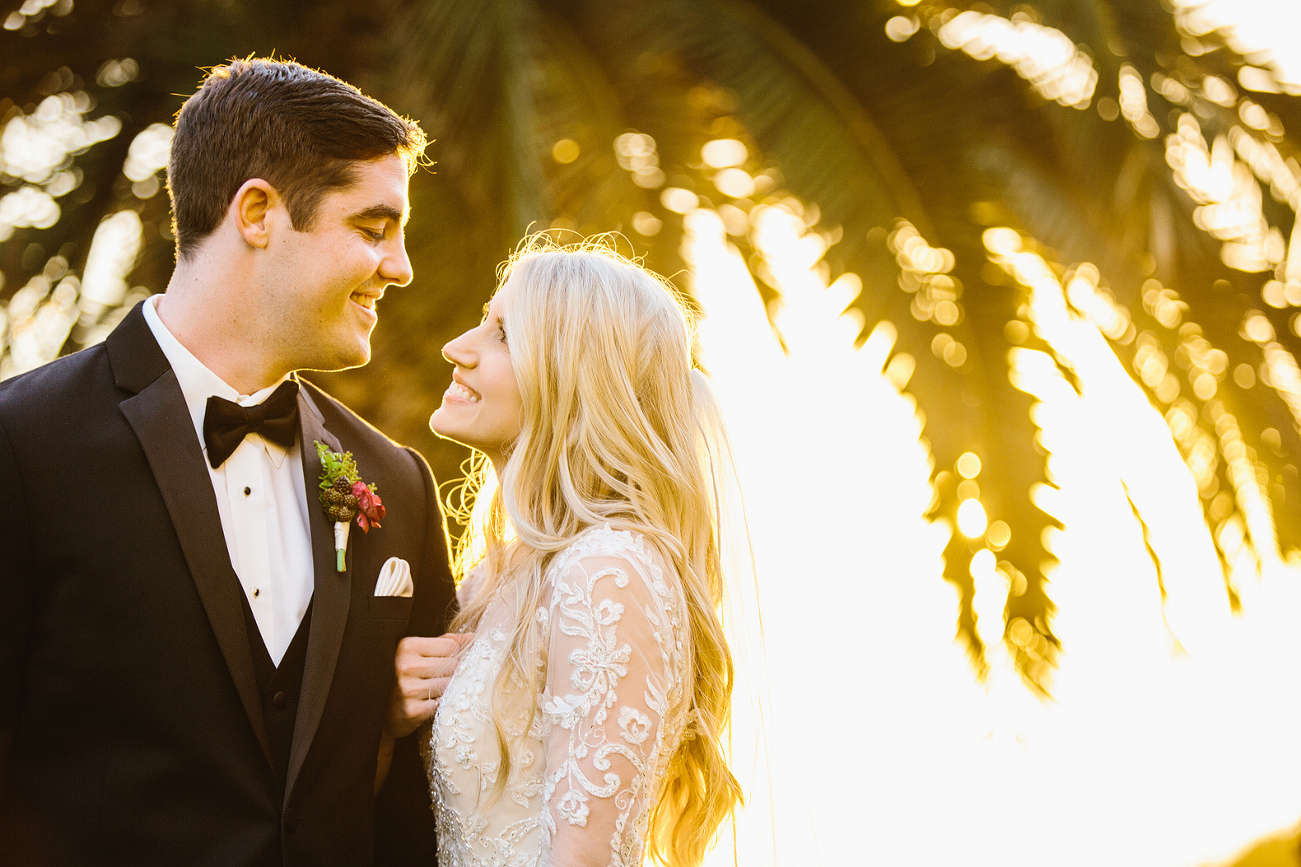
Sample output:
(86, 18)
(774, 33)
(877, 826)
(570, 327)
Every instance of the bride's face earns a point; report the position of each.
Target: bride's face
(481, 408)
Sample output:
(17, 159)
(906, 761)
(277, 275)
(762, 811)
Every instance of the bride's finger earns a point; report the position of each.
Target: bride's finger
(416, 675)
(416, 647)
(424, 689)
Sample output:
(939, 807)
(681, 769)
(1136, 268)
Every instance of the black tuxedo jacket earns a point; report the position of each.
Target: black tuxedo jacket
(131, 725)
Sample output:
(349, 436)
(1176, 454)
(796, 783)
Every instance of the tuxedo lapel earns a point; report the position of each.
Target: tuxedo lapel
(158, 415)
(330, 595)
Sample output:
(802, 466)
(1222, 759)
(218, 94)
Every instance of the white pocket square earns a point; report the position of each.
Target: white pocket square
(395, 578)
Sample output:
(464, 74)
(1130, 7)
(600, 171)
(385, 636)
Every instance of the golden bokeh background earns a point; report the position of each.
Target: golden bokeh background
(1003, 304)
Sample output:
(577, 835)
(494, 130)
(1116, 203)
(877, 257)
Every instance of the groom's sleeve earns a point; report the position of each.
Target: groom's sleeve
(435, 593)
(404, 819)
(15, 594)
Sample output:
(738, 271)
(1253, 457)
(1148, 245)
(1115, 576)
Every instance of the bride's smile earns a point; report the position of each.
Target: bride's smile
(458, 391)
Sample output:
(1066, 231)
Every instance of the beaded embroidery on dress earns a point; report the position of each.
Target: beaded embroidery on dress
(609, 717)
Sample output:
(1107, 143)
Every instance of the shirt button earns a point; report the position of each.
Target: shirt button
(248, 491)
(279, 700)
(256, 592)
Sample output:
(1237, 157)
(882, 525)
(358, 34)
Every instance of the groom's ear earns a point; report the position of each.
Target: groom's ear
(253, 209)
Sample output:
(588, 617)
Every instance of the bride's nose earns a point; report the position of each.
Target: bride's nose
(457, 350)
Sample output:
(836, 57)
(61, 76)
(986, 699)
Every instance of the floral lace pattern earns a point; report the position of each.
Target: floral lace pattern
(608, 719)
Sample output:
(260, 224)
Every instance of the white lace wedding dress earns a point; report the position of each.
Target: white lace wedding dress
(610, 715)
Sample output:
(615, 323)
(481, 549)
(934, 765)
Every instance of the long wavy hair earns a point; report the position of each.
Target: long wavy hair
(614, 429)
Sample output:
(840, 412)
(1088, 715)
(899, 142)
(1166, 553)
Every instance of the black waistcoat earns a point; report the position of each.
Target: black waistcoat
(279, 686)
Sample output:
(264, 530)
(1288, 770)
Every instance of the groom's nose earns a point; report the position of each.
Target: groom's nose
(396, 266)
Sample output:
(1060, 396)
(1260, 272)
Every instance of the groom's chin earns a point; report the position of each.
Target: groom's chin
(342, 358)
(357, 352)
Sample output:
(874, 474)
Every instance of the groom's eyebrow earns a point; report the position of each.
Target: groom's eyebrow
(383, 212)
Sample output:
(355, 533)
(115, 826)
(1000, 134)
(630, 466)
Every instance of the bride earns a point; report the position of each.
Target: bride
(583, 724)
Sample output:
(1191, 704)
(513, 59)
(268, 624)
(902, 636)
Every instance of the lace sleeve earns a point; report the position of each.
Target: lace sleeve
(611, 681)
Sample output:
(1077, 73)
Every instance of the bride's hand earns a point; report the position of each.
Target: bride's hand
(424, 666)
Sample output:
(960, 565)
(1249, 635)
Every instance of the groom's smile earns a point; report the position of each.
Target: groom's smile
(366, 299)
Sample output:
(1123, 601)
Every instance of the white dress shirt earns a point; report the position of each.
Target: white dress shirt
(261, 497)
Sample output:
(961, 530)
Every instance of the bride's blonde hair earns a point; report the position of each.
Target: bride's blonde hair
(612, 430)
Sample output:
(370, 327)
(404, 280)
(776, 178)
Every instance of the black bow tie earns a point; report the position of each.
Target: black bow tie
(225, 424)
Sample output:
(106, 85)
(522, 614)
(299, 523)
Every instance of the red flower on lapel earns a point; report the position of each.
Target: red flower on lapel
(369, 507)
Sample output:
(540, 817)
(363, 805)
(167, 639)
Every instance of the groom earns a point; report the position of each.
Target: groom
(187, 675)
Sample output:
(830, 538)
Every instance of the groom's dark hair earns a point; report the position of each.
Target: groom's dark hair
(298, 129)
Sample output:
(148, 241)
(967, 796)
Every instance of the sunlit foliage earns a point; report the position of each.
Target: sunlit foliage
(953, 165)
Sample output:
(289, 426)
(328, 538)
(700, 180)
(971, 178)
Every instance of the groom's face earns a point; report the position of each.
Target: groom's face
(326, 281)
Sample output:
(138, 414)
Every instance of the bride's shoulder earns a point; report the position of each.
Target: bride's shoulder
(604, 540)
(603, 547)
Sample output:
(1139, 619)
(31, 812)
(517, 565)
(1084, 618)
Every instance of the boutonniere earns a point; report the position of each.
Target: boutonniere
(345, 496)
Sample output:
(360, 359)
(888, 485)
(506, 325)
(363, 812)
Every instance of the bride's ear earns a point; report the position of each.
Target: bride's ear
(254, 211)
